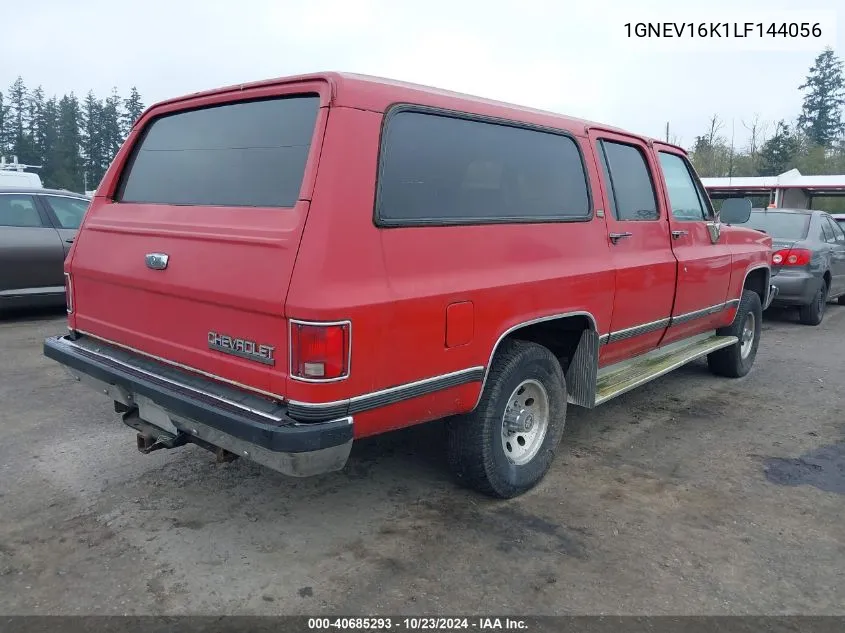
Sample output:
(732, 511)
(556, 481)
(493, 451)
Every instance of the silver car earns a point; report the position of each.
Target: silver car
(37, 227)
(808, 258)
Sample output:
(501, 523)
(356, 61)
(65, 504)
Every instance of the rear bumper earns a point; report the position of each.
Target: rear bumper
(795, 288)
(188, 406)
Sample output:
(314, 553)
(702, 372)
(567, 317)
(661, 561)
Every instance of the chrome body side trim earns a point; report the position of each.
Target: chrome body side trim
(637, 330)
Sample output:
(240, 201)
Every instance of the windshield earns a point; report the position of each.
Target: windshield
(780, 225)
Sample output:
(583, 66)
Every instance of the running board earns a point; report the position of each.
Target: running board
(621, 377)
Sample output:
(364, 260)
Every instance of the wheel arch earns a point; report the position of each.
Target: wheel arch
(757, 279)
(562, 333)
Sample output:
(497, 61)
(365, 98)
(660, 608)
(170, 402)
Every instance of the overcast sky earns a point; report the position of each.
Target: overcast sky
(569, 57)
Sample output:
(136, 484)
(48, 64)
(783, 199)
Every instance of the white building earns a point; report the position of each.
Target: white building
(788, 190)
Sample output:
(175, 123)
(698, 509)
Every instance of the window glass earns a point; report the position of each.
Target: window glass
(18, 210)
(781, 225)
(249, 154)
(631, 191)
(838, 233)
(684, 198)
(437, 168)
(68, 211)
(827, 231)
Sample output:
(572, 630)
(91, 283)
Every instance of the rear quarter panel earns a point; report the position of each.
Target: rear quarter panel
(395, 284)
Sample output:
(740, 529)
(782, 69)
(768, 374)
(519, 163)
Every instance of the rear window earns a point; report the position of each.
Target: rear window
(248, 154)
(443, 169)
(779, 225)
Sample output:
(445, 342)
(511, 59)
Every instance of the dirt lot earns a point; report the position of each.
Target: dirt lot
(694, 494)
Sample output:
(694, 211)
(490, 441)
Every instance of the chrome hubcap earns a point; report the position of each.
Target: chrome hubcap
(525, 422)
(747, 339)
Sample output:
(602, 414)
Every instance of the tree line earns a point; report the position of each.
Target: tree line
(73, 141)
(813, 142)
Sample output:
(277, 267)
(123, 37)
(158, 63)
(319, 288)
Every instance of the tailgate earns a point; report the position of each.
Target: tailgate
(188, 259)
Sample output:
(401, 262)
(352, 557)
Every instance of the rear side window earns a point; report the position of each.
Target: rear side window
(438, 169)
(19, 211)
(249, 154)
(631, 189)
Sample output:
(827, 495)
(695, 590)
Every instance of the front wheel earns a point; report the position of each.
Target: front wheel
(506, 445)
(736, 360)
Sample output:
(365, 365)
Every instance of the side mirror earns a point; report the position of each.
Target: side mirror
(735, 211)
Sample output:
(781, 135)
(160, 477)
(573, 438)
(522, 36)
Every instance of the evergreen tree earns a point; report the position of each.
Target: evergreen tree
(92, 141)
(68, 168)
(36, 128)
(821, 115)
(778, 154)
(20, 144)
(48, 135)
(111, 135)
(133, 108)
(4, 127)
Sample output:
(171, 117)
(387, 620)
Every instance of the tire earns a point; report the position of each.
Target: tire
(736, 360)
(813, 313)
(487, 456)
(841, 300)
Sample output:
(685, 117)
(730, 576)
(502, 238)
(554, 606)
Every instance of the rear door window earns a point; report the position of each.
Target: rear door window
(838, 235)
(19, 211)
(438, 169)
(246, 154)
(631, 189)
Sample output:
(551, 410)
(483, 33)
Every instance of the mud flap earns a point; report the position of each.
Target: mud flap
(583, 370)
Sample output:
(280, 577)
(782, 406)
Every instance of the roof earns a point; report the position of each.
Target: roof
(792, 179)
(368, 92)
(41, 190)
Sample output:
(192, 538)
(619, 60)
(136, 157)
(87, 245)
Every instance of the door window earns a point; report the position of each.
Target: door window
(827, 231)
(838, 233)
(630, 187)
(19, 211)
(684, 196)
(68, 211)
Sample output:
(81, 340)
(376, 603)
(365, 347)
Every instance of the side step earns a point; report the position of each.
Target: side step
(621, 377)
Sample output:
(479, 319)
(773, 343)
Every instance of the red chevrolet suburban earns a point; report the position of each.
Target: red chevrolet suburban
(274, 270)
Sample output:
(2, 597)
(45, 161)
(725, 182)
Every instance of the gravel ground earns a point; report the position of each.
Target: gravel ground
(691, 495)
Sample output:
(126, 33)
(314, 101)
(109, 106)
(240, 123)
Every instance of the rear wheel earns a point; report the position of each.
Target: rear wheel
(813, 313)
(506, 446)
(841, 300)
(736, 360)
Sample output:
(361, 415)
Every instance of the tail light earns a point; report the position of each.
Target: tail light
(68, 293)
(791, 257)
(319, 351)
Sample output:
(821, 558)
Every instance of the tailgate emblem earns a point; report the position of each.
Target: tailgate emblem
(241, 347)
(157, 261)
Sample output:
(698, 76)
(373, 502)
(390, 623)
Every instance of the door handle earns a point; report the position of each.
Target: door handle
(615, 237)
(69, 240)
(679, 234)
